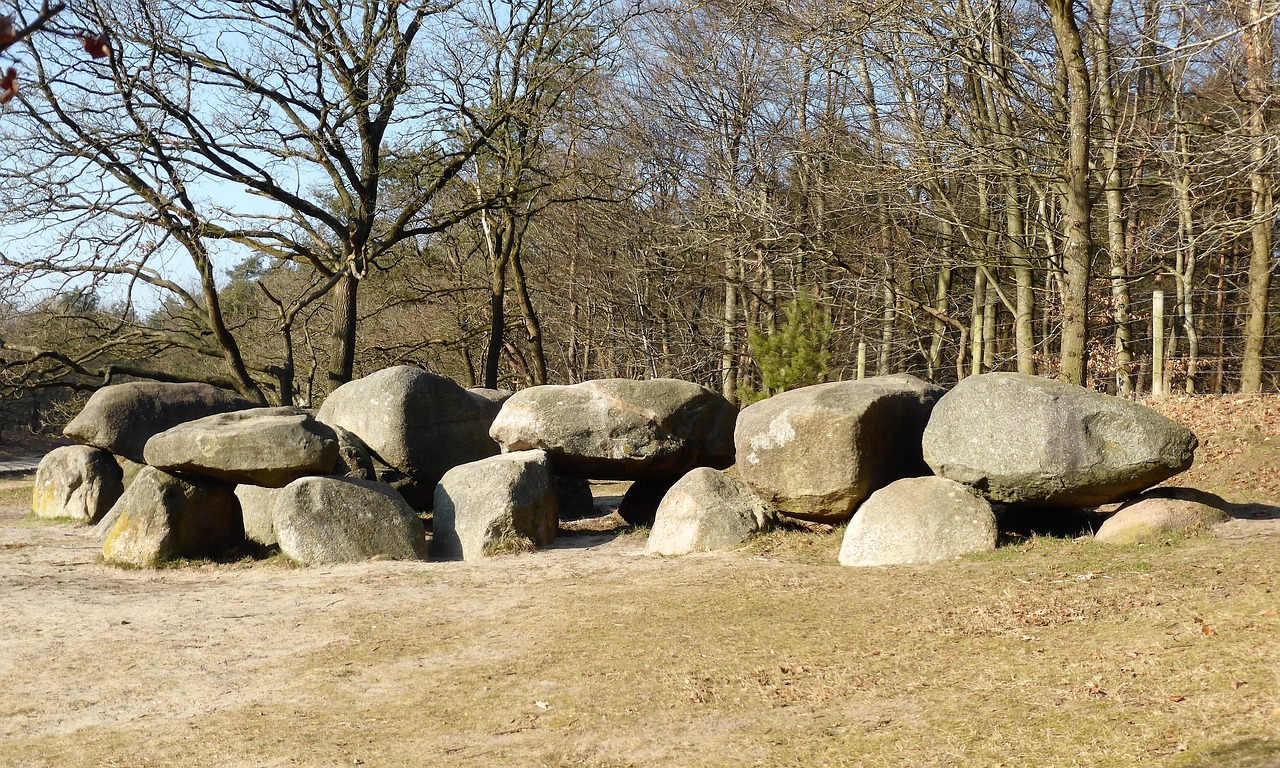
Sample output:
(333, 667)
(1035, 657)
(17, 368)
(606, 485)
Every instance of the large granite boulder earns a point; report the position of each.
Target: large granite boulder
(270, 447)
(816, 452)
(354, 458)
(919, 520)
(574, 500)
(1162, 512)
(344, 520)
(78, 482)
(496, 505)
(163, 516)
(257, 507)
(122, 417)
(639, 505)
(620, 429)
(706, 510)
(1027, 440)
(413, 421)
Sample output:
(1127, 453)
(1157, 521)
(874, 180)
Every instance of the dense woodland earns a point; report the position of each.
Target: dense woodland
(279, 195)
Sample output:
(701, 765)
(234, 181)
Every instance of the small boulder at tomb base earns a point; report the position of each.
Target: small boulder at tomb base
(163, 516)
(502, 504)
(121, 418)
(78, 482)
(256, 506)
(816, 452)
(1162, 512)
(620, 429)
(1028, 440)
(640, 503)
(270, 447)
(344, 520)
(705, 510)
(919, 520)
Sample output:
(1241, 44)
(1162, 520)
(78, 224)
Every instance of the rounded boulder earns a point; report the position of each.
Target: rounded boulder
(1027, 440)
(919, 520)
(620, 429)
(816, 452)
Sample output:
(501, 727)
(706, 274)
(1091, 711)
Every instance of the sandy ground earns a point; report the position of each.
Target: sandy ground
(267, 664)
(105, 666)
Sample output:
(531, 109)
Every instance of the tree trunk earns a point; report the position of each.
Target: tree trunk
(728, 377)
(342, 332)
(1113, 193)
(1077, 251)
(1262, 213)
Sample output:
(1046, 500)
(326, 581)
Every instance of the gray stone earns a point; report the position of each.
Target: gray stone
(270, 447)
(1162, 512)
(257, 507)
(919, 520)
(130, 468)
(573, 498)
(639, 504)
(816, 452)
(413, 421)
(619, 429)
(498, 396)
(78, 482)
(496, 505)
(122, 417)
(1027, 440)
(163, 516)
(706, 510)
(354, 458)
(343, 520)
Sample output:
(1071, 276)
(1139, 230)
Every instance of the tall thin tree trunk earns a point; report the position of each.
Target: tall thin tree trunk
(342, 334)
(1077, 253)
(1113, 193)
(1257, 37)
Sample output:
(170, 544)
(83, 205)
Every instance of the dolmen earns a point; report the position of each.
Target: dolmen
(916, 474)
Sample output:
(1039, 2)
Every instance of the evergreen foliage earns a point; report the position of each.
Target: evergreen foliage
(794, 355)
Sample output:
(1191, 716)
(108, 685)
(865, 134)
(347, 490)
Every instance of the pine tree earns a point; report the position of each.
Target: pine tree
(794, 355)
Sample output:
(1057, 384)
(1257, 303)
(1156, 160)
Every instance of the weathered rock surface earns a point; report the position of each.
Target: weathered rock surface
(257, 505)
(1162, 512)
(498, 396)
(78, 482)
(639, 504)
(706, 510)
(500, 504)
(344, 520)
(162, 516)
(919, 520)
(130, 469)
(122, 417)
(354, 458)
(1027, 440)
(619, 429)
(816, 452)
(270, 447)
(573, 498)
(416, 422)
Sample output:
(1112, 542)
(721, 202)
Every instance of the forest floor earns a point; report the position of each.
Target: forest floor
(1051, 651)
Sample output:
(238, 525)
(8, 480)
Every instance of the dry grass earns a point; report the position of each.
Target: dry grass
(1047, 652)
(17, 492)
(1054, 652)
